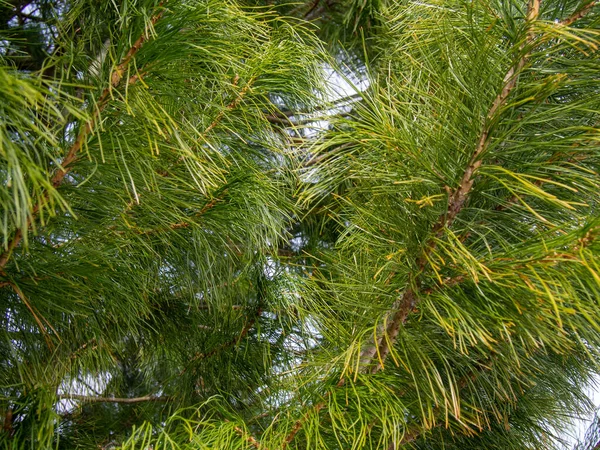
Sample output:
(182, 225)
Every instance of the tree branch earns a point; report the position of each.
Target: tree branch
(233, 104)
(399, 312)
(71, 156)
(249, 438)
(579, 14)
(37, 319)
(314, 4)
(232, 343)
(457, 199)
(93, 399)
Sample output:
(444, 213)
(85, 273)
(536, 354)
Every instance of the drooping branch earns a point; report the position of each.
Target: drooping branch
(376, 354)
(229, 344)
(233, 104)
(579, 14)
(73, 152)
(94, 399)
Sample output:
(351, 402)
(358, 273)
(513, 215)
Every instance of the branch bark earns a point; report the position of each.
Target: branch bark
(93, 399)
(579, 14)
(399, 312)
(71, 156)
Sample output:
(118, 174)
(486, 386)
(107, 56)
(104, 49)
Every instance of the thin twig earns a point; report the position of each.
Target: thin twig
(233, 104)
(298, 425)
(249, 438)
(300, 422)
(232, 343)
(312, 7)
(579, 14)
(32, 310)
(94, 399)
(173, 226)
(456, 201)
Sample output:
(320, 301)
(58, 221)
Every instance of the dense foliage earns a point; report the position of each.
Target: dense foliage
(205, 247)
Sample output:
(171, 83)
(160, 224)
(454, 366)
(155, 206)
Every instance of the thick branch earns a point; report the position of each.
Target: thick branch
(457, 200)
(93, 399)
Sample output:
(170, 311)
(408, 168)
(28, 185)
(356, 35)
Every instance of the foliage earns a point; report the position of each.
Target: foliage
(202, 249)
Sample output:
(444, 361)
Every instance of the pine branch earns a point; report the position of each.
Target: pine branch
(173, 226)
(233, 104)
(378, 354)
(408, 437)
(249, 438)
(93, 399)
(312, 7)
(300, 422)
(71, 156)
(316, 12)
(417, 431)
(232, 343)
(457, 200)
(37, 319)
(298, 425)
(579, 14)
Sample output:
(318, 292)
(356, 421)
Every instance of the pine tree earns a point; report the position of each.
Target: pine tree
(202, 249)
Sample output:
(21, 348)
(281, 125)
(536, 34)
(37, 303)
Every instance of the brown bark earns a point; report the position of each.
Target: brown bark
(457, 200)
(71, 156)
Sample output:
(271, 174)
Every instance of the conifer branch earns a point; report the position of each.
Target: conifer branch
(234, 103)
(379, 352)
(67, 163)
(579, 14)
(94, 399)
(414, 433)
(232, 343)
(249, 438)
(177, 225)
(300, 422)
(230, 106)
(31, 309)
(459, 197)
(298, 425)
